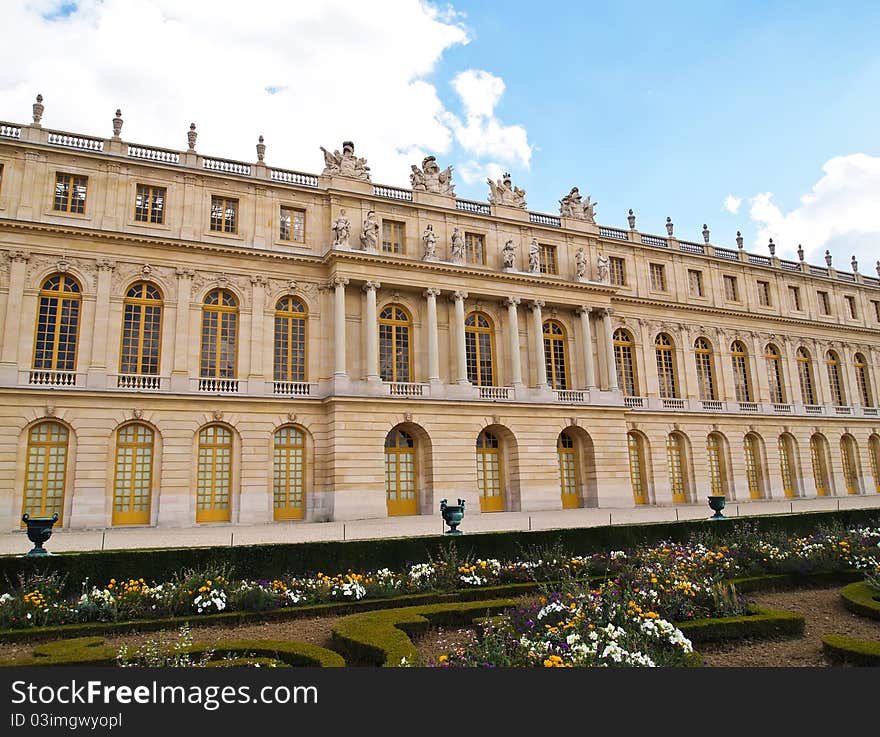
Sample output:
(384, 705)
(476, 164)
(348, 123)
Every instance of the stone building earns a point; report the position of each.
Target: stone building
(191, 340)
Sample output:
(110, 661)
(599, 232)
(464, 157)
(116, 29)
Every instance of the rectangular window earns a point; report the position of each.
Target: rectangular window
(224, 215)
(794, 294)
(824, 303)
(851, 306)
(392, 236)
(764, 293)
(876, 304)
(658, 277)
(730, 291)
(695, 282)
(1, 177)
(149, 204)
(474, 251)
(548, 259)
(292, 225)
(617, 267)
(70, 193)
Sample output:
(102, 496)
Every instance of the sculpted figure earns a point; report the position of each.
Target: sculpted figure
(503, 192)
(370, 236)
(341, 230)
(571, 206)
(534, 256)
(457, 246)
(507, 254)
(580, 259)
(430, 241)
(429, 178)
(602, 269)
(345, 164)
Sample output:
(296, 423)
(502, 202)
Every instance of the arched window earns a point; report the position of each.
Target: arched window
(705, 376)
(774, 374)
(401, 479)
(479, 343)
(637, 474)
(490, 482)
(555, 355)
(850, 457)
(786, 466)
(819, 460)
(46, 471)
(740, 359)
(395, 356)
(219, 335)
(752, 451)
(832, 363)
(141, 330)
(133, 479)
(57, 325)
(664, 351)
(717, 466)
(805, 376)
(675, 456)
(627, 379)
(214, 482)
(862, 382)
(569, 471)
(290, 346)
(874, 456)
(288, 480)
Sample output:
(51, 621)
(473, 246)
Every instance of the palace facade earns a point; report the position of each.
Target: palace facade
(191, 340)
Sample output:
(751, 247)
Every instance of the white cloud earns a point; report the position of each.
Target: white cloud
(481, 133)
(731, 203)
(473, 171)
(839, 214)
(301, 74)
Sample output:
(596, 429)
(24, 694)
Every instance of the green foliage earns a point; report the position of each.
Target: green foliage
(842, 649)
(757, 624)
(161, 653)
(861, 599)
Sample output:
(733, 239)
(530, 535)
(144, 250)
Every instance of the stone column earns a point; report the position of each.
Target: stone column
(371, 331)
(97, 368)
(513, 337)
(461, 376)
(433, 344)
(14, 308)
(609, 349)
(339, 283)
(180, 369)
(587, 339)
(256, 375)
(538, 344)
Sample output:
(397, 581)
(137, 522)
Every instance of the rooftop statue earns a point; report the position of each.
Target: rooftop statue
(571, 206)
(503, 192)
(429, 178)
(345, 164)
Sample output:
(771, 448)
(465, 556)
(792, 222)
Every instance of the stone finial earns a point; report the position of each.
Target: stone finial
(855, 265)
(772, 246)
(261, 149)
(739, 240)
(828, 258)
(800, 252)
(38, 110)
(191, 136)
(669, 225)
(878, 268)
(117, 124)
(632, 219)
(705, 233)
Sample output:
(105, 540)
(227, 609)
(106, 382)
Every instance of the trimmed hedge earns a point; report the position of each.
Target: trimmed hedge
(844, 650)
(92, 651)
(792, 580)
(272, 560)
(861, 599)
(757, 624)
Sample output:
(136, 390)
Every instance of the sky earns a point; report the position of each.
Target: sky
(760, 117)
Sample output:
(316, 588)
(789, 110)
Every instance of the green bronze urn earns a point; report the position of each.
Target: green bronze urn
(452, 515)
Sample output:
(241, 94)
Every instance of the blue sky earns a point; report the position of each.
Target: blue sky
(669, 109)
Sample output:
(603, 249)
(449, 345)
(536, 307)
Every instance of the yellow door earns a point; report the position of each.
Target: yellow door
(401, 479)
(568, 471)
(489, 476)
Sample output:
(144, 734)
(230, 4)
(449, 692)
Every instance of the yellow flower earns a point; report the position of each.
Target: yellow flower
(443, 659)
